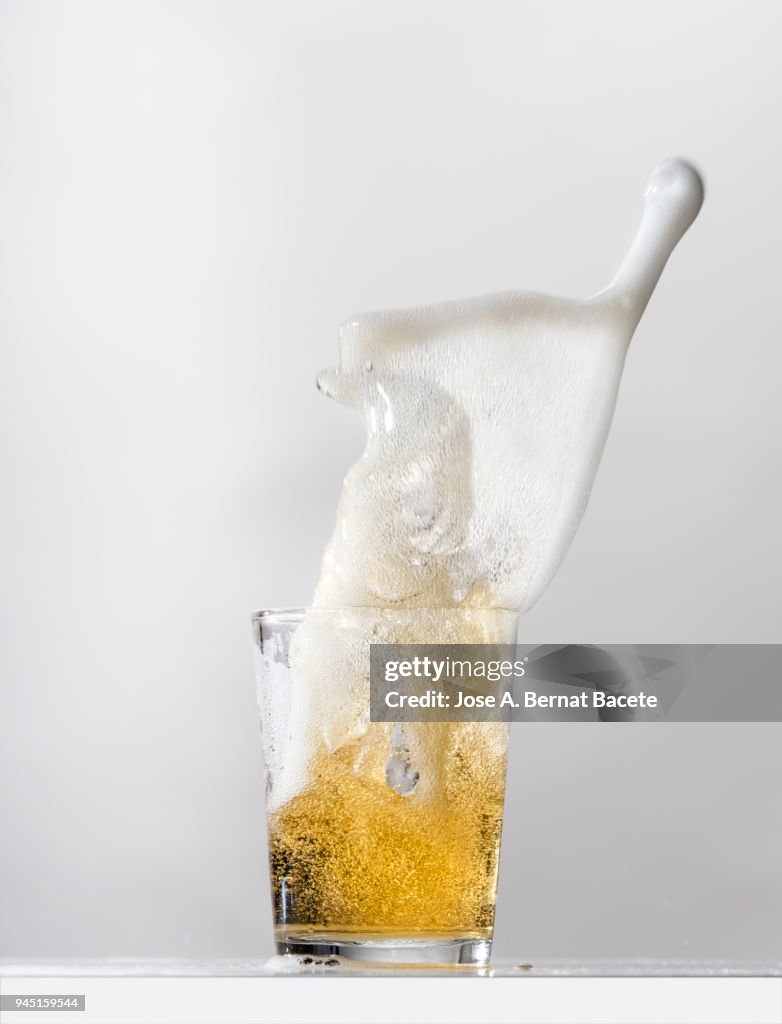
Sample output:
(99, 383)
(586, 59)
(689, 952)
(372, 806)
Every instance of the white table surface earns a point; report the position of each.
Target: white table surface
(252, 967)
(258, 991)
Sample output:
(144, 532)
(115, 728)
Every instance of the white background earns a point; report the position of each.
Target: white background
(193, 196)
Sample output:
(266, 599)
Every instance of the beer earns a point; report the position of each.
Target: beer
(353, 859)
(485, 423)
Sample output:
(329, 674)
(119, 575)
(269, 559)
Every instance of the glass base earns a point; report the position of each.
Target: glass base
(382, 953)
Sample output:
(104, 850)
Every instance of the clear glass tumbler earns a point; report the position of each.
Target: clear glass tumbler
(384, 839)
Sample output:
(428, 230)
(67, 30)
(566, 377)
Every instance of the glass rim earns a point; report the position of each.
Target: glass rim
(277, 613)
(283, 614)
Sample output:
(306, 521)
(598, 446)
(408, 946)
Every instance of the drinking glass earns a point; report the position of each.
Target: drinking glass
(384, 838)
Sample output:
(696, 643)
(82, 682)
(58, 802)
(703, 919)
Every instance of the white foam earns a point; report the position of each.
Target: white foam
(486, 420)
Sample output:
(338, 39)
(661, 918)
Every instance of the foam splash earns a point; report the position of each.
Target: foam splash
(486, 420)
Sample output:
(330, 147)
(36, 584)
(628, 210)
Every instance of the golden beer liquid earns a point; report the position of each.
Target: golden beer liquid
(352, 857)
